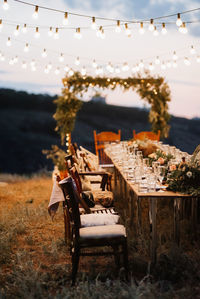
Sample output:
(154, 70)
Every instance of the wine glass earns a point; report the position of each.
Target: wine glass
(161, 173)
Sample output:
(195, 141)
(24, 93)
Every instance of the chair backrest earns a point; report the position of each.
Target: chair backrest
(100, 140)
(72, 199)
(146, 135)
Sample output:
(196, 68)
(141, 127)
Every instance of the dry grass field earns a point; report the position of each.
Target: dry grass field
(35, 262)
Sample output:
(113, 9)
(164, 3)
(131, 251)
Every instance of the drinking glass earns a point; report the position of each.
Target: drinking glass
(161, 173)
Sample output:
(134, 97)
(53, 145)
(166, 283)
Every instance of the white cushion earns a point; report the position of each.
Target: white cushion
(104, 231)
(98, 219)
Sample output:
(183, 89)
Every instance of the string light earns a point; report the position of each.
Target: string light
(174, 64)
(125, 67)
(169, 64)
(56, 34)
(16, 32)
(157, 60)
(46, 70)
(93, 25)
(8, 43)
(192, 50)
(117, 70)
(175, 57)
(127, 30)
(163, 66)
(50, 32)
(78, 34)
(32, 63)
(141, 30)
(66, 68)
(179, 21)
(65, 19)
(61, 57)
(26, 48)
(164, 30)
(1, 24)
(151, 25)
(44, 53)
(71, 72)
(35, 14)
(2, 57)
(184, 28)
(83, 71)
(102, 34)
(77, 61)
(133, 70)
(151, 66)
(118, 28)
(49, 65)
(198, 59)
(57, 71)
(15, 60)
(37, 33)
(141, 64)
(24, 28)
(5, 5)
(99, 31)
(94, 64)
(186, 61)
(24, 65)
(155, 32)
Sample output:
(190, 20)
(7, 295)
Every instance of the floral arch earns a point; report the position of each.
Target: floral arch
(155, 91)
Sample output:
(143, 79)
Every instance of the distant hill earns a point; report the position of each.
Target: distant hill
(27, 127)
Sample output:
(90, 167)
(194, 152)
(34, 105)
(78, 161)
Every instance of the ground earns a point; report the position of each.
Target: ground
(35, 262)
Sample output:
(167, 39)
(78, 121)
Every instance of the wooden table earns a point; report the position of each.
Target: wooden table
(132, 200)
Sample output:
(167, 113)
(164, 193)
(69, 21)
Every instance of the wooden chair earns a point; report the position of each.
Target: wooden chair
(146, 135)
(84, 238)
(100, 139)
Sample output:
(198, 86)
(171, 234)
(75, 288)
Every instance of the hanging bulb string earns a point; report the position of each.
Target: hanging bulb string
(104, 18)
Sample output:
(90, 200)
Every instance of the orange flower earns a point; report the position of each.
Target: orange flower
(161, 161)
(172, 167)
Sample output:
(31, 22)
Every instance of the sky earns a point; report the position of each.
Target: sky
(116, 48)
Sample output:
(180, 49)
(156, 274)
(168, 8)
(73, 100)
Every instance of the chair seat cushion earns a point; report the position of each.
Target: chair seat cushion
(98, 219)
(103, 231)
(105, 198)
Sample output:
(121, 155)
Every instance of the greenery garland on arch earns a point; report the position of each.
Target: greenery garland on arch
(153, 90)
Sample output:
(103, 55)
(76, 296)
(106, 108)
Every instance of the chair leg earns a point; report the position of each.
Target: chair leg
(125, 258)
(75, 262)
(116, 256)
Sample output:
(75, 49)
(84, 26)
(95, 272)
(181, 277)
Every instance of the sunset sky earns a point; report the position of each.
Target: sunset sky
(116, 48)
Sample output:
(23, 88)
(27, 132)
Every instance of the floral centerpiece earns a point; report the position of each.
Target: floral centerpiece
(185, 179)
(160, 157)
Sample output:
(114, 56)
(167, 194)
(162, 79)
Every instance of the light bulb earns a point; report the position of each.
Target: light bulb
(137, 68)
(102, 34)
(57, 71)
(49, 65)
(157, 60)
(44, 53)
(93, 25)
(35, 14)
(78, 34)
(125, 67)
(46, 70)
(1, 24)
(198, 59)
(26, 48)
(2, 58)
(178, 21)
(117, 70)
(192, 50)
(5, 5)
(24, 65)
(83, 71)
(163, 66)
(175, 57)
(32, 63)
(127, 30)
(37, 33)
(155, 32)
(141, 64)
(186, 61)
(16, 32)
(99, 31)
(50, 32)
(11, 61)
(15, 60)
(164, 30)
(169, 64)
(61, 57)
(24, 29)
(65, 19)
(133, 70)
(33, 68)
(56, 34)
(66, 68)
(151, 67)
(118, 28)
(8, 43)
(184, 28)
(141, 30)
(174, 64)
(94, 64)
(71, 72)
(151, 25)
(77, 61)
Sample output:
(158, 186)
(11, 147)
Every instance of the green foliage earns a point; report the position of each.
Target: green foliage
(160, 154)
(185, 179)
(57, 156)
(153, 90)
